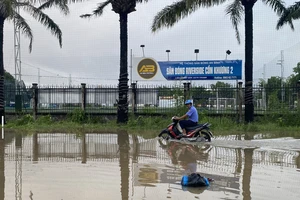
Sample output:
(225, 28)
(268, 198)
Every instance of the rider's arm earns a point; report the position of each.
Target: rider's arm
(182, 117)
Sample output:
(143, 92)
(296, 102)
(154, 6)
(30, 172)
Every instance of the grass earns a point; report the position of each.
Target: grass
(147, 126)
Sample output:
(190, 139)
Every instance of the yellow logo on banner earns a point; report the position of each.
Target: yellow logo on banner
(147, 68)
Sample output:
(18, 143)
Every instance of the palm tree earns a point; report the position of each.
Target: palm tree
(123, 8)
(181, 9)
(9, 11)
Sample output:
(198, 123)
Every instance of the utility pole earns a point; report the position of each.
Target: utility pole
(39, 77)
(70, 80)
(131, 66)
(281, 63)
(17, 54)
(17, 51)
(264, 89)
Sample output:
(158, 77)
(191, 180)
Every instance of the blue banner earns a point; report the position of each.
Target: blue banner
(202, 70)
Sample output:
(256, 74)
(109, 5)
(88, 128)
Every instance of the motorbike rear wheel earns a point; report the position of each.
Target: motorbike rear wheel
(206, 136)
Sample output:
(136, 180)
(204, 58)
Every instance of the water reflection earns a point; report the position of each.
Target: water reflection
(298, 160)
(35, 146)
(186, 155)
(123, 142)
(2, 176)
(84, 150)
(18, 166)
(247, 174)
(124, 166)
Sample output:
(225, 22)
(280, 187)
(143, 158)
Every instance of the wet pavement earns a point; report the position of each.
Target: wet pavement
(122, 166)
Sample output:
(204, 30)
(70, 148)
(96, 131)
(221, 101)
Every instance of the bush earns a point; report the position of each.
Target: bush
(26, 119)
(44, 119)
(78, 116)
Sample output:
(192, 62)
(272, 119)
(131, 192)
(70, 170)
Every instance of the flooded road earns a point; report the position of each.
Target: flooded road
(123, 166)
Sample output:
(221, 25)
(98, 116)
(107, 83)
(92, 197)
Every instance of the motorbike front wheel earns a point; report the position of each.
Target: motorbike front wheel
(163, 139)
(164, 135)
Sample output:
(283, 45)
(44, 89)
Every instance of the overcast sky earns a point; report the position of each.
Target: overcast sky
(90, 52)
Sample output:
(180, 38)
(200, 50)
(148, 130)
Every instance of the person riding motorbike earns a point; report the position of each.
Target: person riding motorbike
(192, 115)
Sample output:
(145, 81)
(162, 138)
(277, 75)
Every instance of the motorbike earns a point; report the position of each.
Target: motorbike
(199, 133)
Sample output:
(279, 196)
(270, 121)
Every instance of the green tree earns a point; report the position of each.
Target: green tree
(273, 89)
(273, 101)
(225, 90)
(292, 83)
(9, 12)
(200, 95)
(8, 77)
(170, 91)
(294, 78)
(171, 14)
(122, 8)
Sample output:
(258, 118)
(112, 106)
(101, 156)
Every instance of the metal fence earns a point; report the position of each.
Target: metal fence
(148, 99)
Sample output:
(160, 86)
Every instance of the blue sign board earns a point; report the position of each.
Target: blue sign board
(202, 70)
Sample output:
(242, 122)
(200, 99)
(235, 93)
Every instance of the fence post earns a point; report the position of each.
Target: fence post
(83, 149)
(83, 96)
(298, 95)
(133, 90)
(35, 153)
(240, 102)
(186, 90)
(18, 100)
(35, 100)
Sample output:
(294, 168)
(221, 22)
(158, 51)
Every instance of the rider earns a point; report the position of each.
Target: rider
(192, 115)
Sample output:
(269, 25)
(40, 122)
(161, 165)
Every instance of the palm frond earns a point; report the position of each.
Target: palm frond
(86, 15)
(61, 4)
(24, 27)
(75, 1)
(34, 2)
(235, 10)
(46, 21)
(284, 19)
(277, 5)
(142, 1)
(295, 10)
(289, 14)
(6, 8)
(203, 3)
(98, 11)
(171, 14)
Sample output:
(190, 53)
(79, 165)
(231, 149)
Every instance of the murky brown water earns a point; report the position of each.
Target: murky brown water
(121, 166)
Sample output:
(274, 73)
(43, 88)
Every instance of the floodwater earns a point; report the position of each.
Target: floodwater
(122, 166)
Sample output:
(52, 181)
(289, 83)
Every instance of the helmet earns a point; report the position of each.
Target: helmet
(188, 102)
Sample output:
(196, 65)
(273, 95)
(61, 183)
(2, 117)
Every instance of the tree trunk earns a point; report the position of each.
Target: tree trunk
(123, 79)
(1, 68)
(249, 107)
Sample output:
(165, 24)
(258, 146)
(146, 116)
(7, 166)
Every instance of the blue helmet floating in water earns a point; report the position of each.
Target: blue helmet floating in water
(188, 102)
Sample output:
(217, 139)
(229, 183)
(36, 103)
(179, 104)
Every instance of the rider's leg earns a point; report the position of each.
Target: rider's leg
(182, 124)
(186, 123)
(179, 128)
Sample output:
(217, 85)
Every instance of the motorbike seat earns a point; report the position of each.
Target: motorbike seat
(198, 126)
